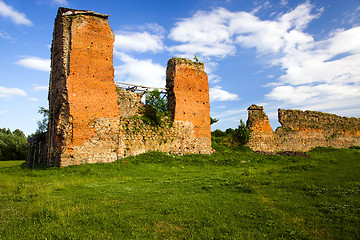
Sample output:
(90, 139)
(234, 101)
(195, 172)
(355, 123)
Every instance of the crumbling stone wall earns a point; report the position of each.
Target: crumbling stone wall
(129, 103)
(262, 135)
(301, 130)
(93, 121)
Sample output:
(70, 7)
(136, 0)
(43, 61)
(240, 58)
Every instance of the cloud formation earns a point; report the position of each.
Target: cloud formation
(40, 88)
(8, 11)
(7, 93)
(138, 42)
(61, 2)
(141, 72)
(321, 72)
(35, 63)
(218, 94)
(206, 34)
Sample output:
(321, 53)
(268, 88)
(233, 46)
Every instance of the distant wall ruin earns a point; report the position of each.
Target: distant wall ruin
(301, 130)
(92, 121)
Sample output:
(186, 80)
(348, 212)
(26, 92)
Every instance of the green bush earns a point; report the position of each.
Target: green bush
(218, 133)
(155, 99)
(231, 138)
(242, 134)
(13, 145)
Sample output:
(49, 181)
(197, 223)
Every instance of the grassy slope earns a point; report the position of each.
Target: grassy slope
(229, 195)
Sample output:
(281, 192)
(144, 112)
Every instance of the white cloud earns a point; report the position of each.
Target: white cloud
(35, 63)
(146, 38)
(33, 99)
(323, 93)
(4, 112)
(213, 78)
(61, 2)
(315, 72)
(40, 88)
(205, 34)
(321, 72)
(5, 35)
(218, 94)
(53, 3)
(7, 93)
(138, 42)
(284, 2)
(142, 72)
(15, 16)
(153, 28)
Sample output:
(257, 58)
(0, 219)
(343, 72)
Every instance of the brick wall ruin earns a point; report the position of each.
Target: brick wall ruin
(188, 98)
(91, 120)
(301, 130)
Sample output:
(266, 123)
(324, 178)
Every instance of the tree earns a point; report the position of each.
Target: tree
(242, 134)
(43, 124)
(155, 99)
(13, 145)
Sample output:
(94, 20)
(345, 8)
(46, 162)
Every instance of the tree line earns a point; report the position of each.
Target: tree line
(13, 145)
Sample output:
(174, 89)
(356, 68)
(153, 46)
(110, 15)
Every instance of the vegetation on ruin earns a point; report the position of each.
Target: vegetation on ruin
(155, 111)
(231, 137)
(213, 120)
(232, 194)
(42, 126)
(156, 100)
(195, 63)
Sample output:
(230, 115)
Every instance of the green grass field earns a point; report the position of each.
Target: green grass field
(227, 195)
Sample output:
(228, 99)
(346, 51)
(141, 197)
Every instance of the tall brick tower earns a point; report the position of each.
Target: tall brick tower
(82, 85)
(188, 96)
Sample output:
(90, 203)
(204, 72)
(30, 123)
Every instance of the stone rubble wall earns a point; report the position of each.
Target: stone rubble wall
(301, 130)
(129, 103)
(116, 139)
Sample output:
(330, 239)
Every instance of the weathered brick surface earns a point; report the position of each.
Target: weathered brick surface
(262, 135)
(81, 83)
(301, 130)
(188, 95)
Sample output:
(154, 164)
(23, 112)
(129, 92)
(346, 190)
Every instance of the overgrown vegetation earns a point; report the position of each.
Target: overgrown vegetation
(213, 120)
(231, 138)
(13, 145)
(227, 195)
(155, 110)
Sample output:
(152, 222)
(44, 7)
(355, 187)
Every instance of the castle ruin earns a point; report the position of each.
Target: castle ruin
(92, 120)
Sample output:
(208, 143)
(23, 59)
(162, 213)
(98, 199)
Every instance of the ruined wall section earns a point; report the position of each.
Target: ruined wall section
(81, 85)
(188, 96)
(59, 126)
(91, 120)
(313, 121)
(262, 135)
(116, 139)
(303, 130)
(129, 103)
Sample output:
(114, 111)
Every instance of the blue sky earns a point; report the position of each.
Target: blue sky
(278, 54)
